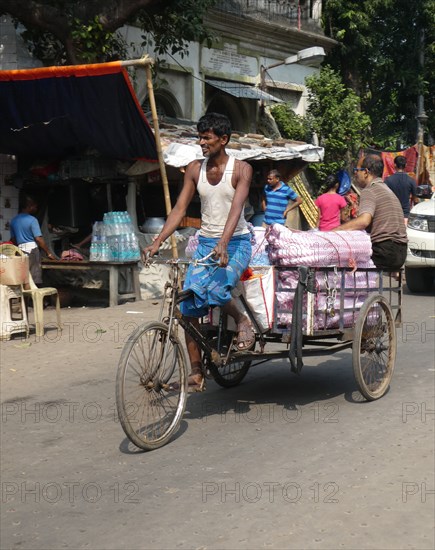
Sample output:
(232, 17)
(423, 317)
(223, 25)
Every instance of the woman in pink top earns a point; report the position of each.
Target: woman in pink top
(330, 205)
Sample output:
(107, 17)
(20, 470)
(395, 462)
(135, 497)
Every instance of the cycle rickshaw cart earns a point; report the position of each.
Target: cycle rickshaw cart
(324, 310)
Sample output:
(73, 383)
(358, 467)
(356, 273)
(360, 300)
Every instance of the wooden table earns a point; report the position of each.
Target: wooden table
(113, 269)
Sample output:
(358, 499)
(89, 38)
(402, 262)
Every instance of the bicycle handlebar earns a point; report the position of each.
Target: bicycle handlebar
(177, 261)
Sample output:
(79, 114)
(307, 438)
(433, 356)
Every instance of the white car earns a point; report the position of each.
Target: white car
(420, 261)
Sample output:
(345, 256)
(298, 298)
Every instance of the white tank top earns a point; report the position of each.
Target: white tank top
(216, 201)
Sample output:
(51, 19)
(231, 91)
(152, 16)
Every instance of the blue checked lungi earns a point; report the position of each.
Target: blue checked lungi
(210, 283)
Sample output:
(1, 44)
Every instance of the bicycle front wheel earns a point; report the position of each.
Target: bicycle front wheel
(151, 386)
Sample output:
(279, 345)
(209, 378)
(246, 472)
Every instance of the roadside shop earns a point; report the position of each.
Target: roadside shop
(84, 148)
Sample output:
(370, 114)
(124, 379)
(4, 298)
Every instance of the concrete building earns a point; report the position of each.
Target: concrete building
(251, 35)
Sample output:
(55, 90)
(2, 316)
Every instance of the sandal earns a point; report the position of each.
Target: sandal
(193, 385)
(245, 336)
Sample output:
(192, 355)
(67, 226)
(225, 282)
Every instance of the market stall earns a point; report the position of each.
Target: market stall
(92, 151)
(73, 129)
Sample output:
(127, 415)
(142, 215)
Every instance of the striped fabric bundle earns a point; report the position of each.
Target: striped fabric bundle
(323, 320)
(317, 248)
(357, 286)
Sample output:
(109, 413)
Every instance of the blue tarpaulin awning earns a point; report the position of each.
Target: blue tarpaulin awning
(54, 112)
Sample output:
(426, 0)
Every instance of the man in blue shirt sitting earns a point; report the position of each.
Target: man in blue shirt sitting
(26, 234)
(279, 199)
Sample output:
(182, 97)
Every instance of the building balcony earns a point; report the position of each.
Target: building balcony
(304, 15)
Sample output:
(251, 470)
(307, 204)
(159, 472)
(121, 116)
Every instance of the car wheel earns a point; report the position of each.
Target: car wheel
(419, 279)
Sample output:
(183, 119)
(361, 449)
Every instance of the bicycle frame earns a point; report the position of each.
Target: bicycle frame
(174, 318)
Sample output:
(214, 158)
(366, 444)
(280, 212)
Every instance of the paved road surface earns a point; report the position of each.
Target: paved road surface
(278, 462)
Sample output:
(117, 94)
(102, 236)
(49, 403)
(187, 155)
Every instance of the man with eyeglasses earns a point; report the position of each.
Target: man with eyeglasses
(381, 214)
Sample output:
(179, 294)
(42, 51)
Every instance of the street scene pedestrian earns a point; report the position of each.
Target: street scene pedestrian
(279, 199)
(403, 186)
(330, 205)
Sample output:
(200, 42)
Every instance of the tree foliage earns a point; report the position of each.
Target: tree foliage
(334, 115)
(378, 57)
(290, 124)
(173, 28)
(83, 31)
(337, 120)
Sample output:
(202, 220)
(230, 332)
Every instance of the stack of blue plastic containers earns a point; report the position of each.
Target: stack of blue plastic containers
(114, 239)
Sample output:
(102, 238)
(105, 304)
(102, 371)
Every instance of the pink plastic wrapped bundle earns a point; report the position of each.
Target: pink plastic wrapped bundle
(284, 300)
(325, 320)
(284, 319)
(317, 248)
(287, 283)
(360, 279)
(326, 281)
(288, 279)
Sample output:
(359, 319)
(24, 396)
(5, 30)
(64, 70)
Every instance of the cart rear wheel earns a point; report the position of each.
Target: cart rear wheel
(374, 347)
(151, 386)
(230, 375)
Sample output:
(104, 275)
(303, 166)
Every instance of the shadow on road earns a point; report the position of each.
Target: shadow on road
(273, 384)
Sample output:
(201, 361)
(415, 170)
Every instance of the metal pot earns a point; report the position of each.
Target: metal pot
(153, 225)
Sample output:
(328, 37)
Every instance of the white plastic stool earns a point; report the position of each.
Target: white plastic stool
(13, 314)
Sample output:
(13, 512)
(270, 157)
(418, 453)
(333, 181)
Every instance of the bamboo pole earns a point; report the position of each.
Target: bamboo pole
(146, 62)
(143, 61)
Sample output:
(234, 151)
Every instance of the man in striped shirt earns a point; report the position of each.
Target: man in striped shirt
(381, 214)
(279, 199)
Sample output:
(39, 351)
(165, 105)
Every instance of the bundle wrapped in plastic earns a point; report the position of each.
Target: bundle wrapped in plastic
(317, 248)
(328, 285)
(325, 317)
